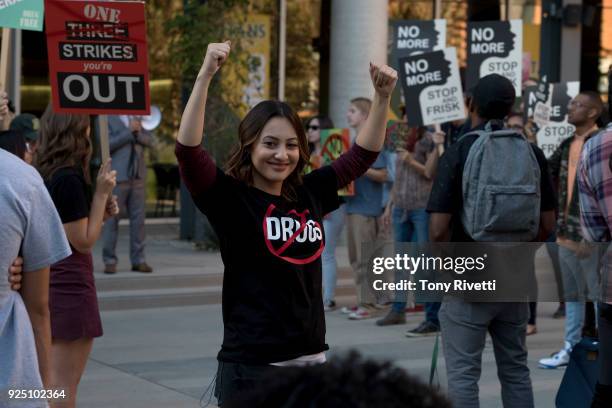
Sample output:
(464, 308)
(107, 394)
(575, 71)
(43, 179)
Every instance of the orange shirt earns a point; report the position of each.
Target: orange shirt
(573, 160)
(572, 167)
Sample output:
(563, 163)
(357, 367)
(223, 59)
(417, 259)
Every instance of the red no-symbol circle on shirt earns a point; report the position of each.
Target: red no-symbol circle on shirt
(294, 238)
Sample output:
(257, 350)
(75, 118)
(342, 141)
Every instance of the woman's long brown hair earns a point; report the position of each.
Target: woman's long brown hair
(240, 165)
(64, 142)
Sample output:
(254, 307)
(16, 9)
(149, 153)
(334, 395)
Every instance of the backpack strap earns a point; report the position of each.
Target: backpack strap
(507, 133)
(488, 130)
(472, 133)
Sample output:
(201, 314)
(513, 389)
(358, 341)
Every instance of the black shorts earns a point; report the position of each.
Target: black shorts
(234, 379)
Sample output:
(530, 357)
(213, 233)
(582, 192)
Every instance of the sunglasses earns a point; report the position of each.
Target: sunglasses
(312, 127)
(579, 105)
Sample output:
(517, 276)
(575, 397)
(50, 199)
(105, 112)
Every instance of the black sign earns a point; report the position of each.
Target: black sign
(432, 87)
(410, 37)
(101, 91)
(495, 47)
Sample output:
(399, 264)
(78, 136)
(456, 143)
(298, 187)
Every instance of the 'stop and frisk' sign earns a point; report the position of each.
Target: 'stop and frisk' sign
(495, 47)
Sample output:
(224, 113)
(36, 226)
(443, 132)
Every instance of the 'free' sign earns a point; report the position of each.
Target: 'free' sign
(98, 57)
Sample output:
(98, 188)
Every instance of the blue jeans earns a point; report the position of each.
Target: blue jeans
(412, 226)
(580, 281)
(553, 252)
(332, 227)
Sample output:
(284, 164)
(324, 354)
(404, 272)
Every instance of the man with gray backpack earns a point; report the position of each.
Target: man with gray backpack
(491, 186)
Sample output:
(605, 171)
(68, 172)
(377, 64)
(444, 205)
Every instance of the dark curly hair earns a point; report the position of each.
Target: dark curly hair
(344, 382)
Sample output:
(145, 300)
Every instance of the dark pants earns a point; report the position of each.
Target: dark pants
(533, 310)
(603, 390)
(412, 226)
(605, 343)
(464, 329)
(131, 197)
(233, 379)
(431, 312)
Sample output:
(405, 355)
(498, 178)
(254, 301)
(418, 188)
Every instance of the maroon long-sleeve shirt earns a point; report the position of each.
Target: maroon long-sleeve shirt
(199, 172)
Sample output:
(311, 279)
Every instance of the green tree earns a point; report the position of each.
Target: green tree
(302, 64)
(302, 61)
(164, 93)
(189, 34)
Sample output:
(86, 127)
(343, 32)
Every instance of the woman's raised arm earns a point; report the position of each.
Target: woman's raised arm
(192, 122)
(370, 140)
(372, 135)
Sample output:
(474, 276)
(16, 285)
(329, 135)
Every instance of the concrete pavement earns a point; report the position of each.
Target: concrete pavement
(166, 356)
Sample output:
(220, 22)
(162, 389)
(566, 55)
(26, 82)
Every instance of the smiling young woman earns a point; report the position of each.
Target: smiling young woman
(268, 218)
(272, 149)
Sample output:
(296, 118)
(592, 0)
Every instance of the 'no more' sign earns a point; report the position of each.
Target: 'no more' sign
(98, 57)
(495, 47)
(432, 87)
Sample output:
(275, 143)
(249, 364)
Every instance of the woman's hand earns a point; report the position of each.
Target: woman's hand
(438, 138)
(112, 208)
(405, 156)
(386, 217)
(383, 78)
(216, 55)
(15, 271)
(106, 180)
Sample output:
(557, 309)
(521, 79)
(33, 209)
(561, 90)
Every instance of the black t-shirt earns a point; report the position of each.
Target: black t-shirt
(447, 193)
(270, 246)
(70, 194)
(454, 133)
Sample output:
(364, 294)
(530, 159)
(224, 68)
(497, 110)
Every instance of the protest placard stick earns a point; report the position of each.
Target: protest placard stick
(438, 129)
(103, 129)
(4, 53)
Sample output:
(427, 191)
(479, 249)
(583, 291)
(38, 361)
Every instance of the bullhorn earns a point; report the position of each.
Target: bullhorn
(153, 120)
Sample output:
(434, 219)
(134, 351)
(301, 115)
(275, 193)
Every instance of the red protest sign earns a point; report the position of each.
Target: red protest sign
(98, 56)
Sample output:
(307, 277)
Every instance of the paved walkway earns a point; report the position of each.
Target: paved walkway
(166, 357)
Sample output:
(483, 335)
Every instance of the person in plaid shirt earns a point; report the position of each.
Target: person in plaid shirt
(595, 190)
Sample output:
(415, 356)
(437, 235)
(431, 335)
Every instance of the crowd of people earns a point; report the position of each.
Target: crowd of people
(278, 217)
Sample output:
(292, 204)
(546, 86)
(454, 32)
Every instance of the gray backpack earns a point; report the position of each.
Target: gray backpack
(501, 188)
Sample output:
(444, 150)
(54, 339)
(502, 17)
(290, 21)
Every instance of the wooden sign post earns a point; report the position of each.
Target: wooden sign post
(103, 129)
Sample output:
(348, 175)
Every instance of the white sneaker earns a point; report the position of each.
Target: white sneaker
(349, 309)
(556, 360)
(363, 313)
(360, 314)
